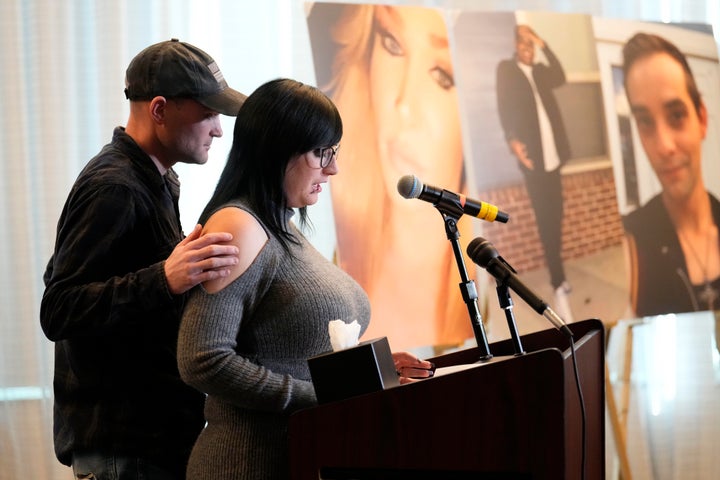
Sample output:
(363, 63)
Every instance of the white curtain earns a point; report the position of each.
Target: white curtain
(61, 82)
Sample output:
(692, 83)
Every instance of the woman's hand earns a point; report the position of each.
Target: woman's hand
(411, 368)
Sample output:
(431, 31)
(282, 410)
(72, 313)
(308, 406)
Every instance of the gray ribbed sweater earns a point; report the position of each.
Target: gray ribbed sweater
(247, 347)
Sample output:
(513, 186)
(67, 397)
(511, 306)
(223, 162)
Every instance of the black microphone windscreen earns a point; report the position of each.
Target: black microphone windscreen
(409, 186)
(481, 251)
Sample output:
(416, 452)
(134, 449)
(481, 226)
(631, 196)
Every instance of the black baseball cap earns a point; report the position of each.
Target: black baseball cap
(176, 69)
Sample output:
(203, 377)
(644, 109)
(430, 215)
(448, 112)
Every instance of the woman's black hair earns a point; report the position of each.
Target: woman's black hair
(282, 119)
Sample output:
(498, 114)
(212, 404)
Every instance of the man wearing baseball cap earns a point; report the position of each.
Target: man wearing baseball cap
(117, 279)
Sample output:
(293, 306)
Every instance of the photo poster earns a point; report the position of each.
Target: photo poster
(673, 269)
(417, 89)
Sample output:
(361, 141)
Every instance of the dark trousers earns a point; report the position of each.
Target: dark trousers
(545, 192)
(106, 466)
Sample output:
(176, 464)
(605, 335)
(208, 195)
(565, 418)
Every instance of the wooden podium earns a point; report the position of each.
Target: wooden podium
(514, 417)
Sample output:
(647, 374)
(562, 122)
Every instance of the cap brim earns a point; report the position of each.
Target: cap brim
(227, 102)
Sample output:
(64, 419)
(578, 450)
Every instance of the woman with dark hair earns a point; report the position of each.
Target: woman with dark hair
(245, 340)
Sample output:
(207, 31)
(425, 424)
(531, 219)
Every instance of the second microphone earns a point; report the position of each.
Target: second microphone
(410, 186)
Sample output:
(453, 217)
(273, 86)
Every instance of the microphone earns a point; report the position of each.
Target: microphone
(410, 186)
(483, 253)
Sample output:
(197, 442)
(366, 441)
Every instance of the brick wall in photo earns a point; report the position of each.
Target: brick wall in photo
(591, 222)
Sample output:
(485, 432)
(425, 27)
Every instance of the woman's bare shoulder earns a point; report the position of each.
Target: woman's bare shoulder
(248, 236)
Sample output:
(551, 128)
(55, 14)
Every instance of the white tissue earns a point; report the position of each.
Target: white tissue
(343, 335)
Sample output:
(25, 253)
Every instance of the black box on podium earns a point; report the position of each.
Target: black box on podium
(364, 368)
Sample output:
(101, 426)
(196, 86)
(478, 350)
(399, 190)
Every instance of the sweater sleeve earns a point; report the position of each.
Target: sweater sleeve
(207, 348)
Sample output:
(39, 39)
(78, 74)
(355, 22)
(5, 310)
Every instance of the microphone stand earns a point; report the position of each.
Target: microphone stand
(451, 211)
(506, 303)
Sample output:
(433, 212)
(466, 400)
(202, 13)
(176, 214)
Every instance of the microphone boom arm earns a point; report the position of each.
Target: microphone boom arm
(450, 208)
(506, 303)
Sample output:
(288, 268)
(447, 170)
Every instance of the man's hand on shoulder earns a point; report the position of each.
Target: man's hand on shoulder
(199, 258)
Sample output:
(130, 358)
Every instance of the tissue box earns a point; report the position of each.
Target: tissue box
(364, 368)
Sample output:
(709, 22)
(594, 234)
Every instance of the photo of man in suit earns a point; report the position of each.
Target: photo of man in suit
(534, 131)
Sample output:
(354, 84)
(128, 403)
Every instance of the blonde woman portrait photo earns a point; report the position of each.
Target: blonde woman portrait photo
(389, 70)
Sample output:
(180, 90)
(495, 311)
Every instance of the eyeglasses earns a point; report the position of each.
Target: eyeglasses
(326, 155)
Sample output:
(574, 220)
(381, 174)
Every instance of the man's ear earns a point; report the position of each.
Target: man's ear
(703, 116)
(158, 106)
